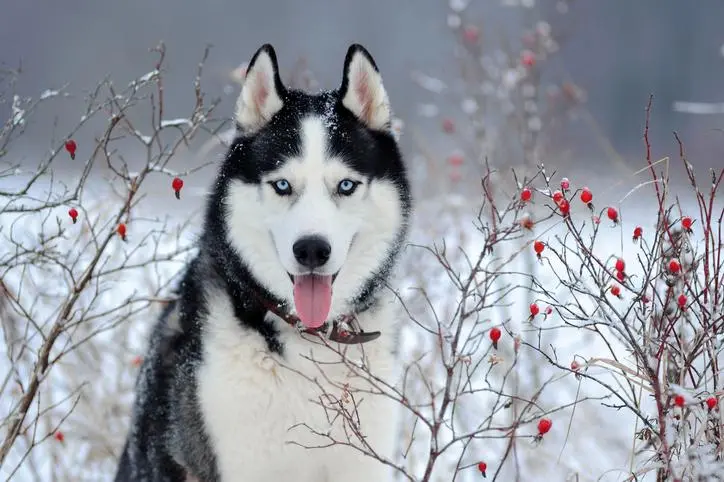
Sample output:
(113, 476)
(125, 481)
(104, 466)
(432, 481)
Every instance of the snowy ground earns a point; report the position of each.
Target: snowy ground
(103, 370)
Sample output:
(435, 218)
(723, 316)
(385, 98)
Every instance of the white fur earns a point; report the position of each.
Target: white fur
(259, 99)
(250, 398)
(361, 228)
(366, 96)
(250, 401)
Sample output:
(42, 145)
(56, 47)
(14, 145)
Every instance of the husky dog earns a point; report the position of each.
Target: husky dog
(302, 230)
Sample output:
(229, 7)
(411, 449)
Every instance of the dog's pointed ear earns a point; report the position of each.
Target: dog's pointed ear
(362, 91)
(262, 91)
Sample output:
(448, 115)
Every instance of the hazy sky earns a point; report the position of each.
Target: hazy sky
(618, 50)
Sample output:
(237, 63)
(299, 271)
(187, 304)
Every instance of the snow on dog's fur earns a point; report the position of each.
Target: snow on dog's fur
(308, 213)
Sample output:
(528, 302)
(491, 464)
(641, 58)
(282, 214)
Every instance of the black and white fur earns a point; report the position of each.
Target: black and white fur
(215, 398)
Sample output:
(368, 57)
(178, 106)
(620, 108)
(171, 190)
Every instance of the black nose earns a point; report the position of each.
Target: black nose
(312, 251)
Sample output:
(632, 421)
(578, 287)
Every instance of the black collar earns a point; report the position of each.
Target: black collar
(345, 329)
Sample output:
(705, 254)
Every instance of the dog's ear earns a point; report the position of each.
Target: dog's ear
(262, 91)
(362, 91)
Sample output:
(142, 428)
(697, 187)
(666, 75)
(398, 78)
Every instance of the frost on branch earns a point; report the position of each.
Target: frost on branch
(75, 299)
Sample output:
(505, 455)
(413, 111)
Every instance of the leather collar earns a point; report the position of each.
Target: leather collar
(345, 329)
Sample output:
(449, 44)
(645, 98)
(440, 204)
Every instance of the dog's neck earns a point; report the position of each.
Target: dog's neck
(344, 329)
(252, 303)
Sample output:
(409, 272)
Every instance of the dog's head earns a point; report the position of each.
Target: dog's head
(316, 200)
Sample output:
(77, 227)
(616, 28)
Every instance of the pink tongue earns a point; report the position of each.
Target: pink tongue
(313, 298)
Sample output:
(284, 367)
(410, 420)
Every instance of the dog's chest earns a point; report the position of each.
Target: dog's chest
(262, 410)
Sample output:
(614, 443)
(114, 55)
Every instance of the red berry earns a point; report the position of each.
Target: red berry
(686, 222)
(565, 184)
(527, 223)
(586, 195)
(455, 160)
(59, 436)
(621, 276)
(564, 206)
(616, 290)
(612, 214)
(534, 310)
(681, 301)
(711, 403)
(122, 231)
(527, 58)
(549, 310)
(544, 425)
(679, 401)
(71, 146)
(575, 366)
(557, 196)
(448, 126)
(645, 298)
(176, 185)
(495, 336)
(471, 34)
(482, 467)
(674, 266)
(73, 213)
(620, 264)
(526, 194)
(538, 246)
(638, 232)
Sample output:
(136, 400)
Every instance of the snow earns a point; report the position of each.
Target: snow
(18, 114)
(46, 94)
(176, 123)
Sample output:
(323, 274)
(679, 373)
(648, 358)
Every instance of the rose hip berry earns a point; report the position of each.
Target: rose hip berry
(564, 206)
(121, 230)
(455, 160)
(495, 336)
(612, 214)
(527, 58)
(638, 232)
(544, 426)
(471, 34)
(71, 147)
(448, 126)
(681, 301)
(565, 184)
(59, 436)
(679, 400)
(73, 213)
(620, 265)
(526, 194)
(538, 247)
(686, 223)
(586, 196)
(534, 310)
(557, 196)
(176, 185)
(482, 467)
(575, 367)
(674, 266)
(621, 276)
(616, 291)
(711, 403)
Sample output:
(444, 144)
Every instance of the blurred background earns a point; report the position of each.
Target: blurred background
(616, 52)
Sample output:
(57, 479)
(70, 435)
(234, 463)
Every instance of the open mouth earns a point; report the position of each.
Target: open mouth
(313, 297)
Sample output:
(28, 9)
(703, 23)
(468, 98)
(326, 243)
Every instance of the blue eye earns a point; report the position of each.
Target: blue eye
(282, 187)
(346, 187)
